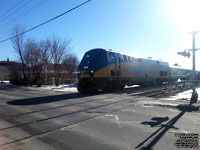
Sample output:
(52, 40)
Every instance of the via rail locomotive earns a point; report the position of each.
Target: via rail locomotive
(106, 70)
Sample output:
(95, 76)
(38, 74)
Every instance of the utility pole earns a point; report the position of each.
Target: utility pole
(194, 93)
(46, 71)
(186, 53)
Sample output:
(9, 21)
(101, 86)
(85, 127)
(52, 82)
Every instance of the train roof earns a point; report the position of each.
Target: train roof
(148, 60)
(151, 61)
(181, 68)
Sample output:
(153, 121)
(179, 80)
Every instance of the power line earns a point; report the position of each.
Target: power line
(14, 11)
(45, 22)
(5, 13)
(19, 16)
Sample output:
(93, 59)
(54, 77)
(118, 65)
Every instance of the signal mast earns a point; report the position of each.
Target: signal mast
(186, 53)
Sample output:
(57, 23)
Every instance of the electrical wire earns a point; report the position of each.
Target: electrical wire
(19, 16)
(5, 13)
(45, 22)
(14, 11)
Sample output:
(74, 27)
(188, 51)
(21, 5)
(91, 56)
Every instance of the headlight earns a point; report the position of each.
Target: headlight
(91, 71)
(85, 67)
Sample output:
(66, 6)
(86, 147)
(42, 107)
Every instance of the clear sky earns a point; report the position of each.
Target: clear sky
(144, 28)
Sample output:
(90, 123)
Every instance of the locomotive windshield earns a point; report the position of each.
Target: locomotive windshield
(93, 59)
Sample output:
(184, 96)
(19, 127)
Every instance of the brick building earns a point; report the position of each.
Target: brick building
(7, 68)
(12, 71)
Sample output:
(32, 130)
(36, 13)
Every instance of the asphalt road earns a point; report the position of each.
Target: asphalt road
(48, 120)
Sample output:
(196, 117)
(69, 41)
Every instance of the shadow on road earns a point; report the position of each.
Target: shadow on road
(164, 128)
(155, 121)
(47, 99)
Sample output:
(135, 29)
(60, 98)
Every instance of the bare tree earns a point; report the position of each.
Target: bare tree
(33, 60)
(36, 56)
(27, 59)
(45, 48)
(59, 49)
(70, 63)
(18, 45)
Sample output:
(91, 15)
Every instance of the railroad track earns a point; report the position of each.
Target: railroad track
(90, 110)
(149, 92)
(159, 90)
(119, 102)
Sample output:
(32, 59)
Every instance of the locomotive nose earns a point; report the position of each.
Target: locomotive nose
(86, 71)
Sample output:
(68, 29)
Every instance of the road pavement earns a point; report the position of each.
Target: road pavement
(50, 120)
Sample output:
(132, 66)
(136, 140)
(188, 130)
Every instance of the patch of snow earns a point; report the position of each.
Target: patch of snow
(67, 89)
(61, 88)
(132, 86)
(186, 95)
(4, 81)
(6, 85)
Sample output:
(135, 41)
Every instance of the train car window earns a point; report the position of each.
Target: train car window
(129, 58)
(124, 56)
(121, 57)
(135, 59)
(132, 58)
(119, 60)
(140, 60)
(116, 55)
(158, 62)
(111, 54)
(163, 73)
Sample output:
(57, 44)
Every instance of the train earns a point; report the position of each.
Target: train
(106, 70)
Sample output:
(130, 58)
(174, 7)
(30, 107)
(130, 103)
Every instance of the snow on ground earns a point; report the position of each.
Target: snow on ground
(6, 84)
(61, 88)
(132, 86)
(4, 81)
(66, 88)
(186, 95)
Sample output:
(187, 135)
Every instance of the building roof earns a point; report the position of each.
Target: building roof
(8, 63)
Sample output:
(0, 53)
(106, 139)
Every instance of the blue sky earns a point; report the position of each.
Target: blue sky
(143, 28)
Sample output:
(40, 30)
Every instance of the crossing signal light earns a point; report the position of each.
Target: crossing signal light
(185, 54)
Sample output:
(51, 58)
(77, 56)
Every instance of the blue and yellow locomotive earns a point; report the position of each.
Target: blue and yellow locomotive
(106, 70)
